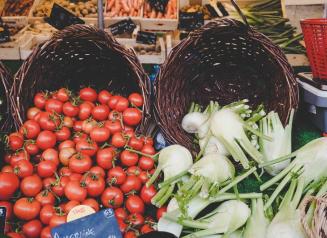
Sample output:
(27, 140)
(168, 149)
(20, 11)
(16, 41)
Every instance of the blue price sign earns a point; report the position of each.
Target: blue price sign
(2, 219)
(102, 224)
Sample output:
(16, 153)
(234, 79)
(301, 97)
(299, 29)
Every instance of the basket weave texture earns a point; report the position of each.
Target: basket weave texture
(5, 85)
(79, 56)
(224, 61)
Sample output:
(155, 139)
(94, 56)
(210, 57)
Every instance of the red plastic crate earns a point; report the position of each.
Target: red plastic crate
(315, 37)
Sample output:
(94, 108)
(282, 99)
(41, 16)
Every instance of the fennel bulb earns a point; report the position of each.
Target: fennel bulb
(192, 121)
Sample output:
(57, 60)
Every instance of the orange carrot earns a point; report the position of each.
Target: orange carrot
(125, 6)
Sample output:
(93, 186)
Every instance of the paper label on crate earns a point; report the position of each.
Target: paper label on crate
(3, 212)
(4, 32)
(158, 5)
(61, 18)
(145, 37)
(124, 26)
(101, 224)
(190, 20)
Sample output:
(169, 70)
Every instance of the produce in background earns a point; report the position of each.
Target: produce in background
(124, 8)
(17, 8)
(170, 11)
(267, 17)
(197, 8)
(78, 149)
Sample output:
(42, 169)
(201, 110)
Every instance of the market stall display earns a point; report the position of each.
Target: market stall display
(126, 8)
(17, 8)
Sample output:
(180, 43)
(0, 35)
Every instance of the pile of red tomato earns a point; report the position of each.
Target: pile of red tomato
(78, 149)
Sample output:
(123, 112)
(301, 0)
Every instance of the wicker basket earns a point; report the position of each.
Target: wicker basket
(226, 61)
(76, 57)
(5, 85)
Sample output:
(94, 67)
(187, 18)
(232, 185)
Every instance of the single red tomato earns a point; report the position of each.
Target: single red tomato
(65, 171)
(118, 140)
(69, 109)
(135, 143)
(66, 144)
(68, 122)
(121, 213)
(91, 203)
(122, 225)
(100, 112)
(48, 121)
(45, 197)
(58, 187)
(31, 185)
(136, 99)
(23, 168)
(63, 94)
(46, 169)
(79, 136)
(112, 197)
(95, 185)
(147, 193)
(15, 235)
(31, 148)
(46, 140)
(46, 214)
(89, 125)
(132, 183)
(105, 157)
(144, 176)
(113, 126)
(31, 113)
(99, 171)
(15, 141)
(74, 191)
(30, 129)
(18, 156)
(57, 220)
(130, 234)
(80, 163)
(53, 105)
(162, 210)
(134, 170)
(65, 155)
(115, 116)
(116, 176)
(87, 147)
(7, 169)
(9, 183)
(146, 163)
(77, 127)
(132, 116)
(8, 207)
(48, 182)
(75, 177)
(113, 101)
(52, 155)
(128, 158)
(40, 100)
(122, 104)
(88, 94)
(134, 204)
(148, 141)
(63, 134)
(148, 149)
(32, 229)
(70, 205)
(85, 110)
(100, 134)
(135, 219)
(104, 96)
(27, 208)
(146, 228)
(46, 232)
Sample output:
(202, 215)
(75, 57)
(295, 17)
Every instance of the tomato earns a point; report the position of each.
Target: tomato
(88, 94)
(63, 94)
(31, 148)
(75, 177)
(135, 219)
(46, 198)
(8, 207)
(66, 144)
(160, 212)
(122, 104)
(23, 168)
(91, 203)
(79, 136)
(87, 147)
(130, 234)
(95, 185)
(51, 155)
(116, 175)
(134, 204)
(146, 228)
(15, 235)
(80, 163)
(7, 158)
(113, 101)
(122, 225)
(65, 154)
(128, 133)
(9, 183)
(30, 129)
(144, 176)
(148, 149)
(18, 156)
(68, 122)
(15, 141)
(53, 105)
(46, 140)
(118, 140)
(88, 125)
(105, 157)
(27, 208)
(70, 205)
(40, 100)
(57, 220)
(104, 96)
(46, 169)
(7, 169)
(65, 171)
(113, 126)
(31, 112)
(31, 185)
(48, 121)
(132, 116)
(59, 186)
(129, 158)
(100, 134)
(46, 232)
(136, 99)
(134, 170)
(132, 183)
(78, 126)
(63, 134)
(115, 116)
(46, 214)
(135, 143)
(147, 193)
(100, 112)
(121, 213)
(48, 182)
(32, 229)
(74, 191)
(112, 197)
(97, 170)
(85, 110)
(146, 163)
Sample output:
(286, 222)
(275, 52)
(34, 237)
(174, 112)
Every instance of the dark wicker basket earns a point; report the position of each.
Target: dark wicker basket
(225, 61)
(79, 56)
(5, 85)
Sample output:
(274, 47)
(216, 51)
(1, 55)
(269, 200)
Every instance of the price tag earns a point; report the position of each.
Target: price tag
(158, 5)
(4, 32)
(124, 26)
(190, 20)
(100, 224)
(222, 9)
(61, 18)
(145, 37)
(3, 212)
